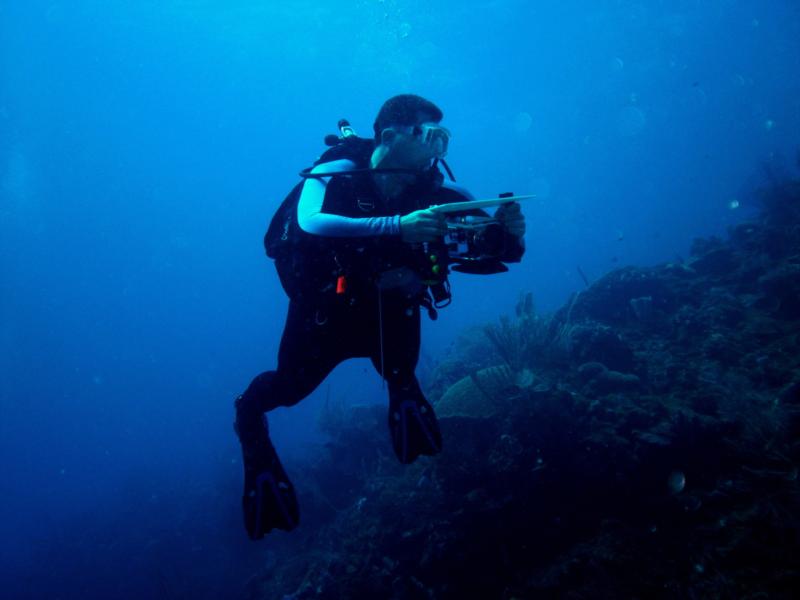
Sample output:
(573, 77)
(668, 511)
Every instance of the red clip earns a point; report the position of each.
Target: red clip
(341, 284)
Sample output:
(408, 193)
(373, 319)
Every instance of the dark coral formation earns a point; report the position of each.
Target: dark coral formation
(643, 442)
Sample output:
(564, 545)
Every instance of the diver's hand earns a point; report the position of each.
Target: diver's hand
(422, 226)
(510, 215)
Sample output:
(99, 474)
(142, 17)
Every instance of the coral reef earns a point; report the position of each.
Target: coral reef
(640, 442)
(484, 393)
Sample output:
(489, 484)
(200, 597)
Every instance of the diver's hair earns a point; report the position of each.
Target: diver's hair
(404, 109)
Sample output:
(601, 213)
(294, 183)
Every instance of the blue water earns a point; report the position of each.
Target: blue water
(144, 147)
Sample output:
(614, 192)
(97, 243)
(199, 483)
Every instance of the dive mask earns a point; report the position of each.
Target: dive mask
(432, 136)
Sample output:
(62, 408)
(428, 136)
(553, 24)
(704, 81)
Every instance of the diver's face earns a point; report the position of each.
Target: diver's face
(408, 148)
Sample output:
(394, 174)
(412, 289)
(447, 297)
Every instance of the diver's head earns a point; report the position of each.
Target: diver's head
(407, 133)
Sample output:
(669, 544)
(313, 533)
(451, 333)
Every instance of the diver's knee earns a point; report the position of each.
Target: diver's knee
(256, 399)
(245, 404)
(272, 389)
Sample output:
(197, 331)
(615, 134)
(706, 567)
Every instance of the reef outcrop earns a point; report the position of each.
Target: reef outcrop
(642, 441)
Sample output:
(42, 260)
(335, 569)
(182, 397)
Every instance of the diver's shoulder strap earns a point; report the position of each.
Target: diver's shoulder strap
(355, 149)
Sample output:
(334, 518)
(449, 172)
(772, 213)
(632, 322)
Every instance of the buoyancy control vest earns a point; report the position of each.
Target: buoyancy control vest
(311, 267)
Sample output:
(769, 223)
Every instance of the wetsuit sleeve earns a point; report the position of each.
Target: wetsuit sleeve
(312, 220)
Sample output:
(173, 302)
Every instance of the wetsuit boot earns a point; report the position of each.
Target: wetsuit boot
(269, 500)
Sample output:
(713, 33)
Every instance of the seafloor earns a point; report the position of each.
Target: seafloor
(641, 442)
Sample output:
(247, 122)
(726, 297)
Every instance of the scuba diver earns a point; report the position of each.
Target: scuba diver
(360, 251)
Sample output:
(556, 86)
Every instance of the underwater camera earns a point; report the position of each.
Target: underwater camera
(474, 244)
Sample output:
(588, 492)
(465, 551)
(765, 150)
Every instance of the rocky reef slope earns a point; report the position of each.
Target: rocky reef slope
(640, 442)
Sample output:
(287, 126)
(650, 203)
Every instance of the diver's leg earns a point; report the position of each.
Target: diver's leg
(412, 422)
(307, 354)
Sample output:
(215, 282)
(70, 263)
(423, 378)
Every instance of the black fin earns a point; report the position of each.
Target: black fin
(269, 500)
(413, 425)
